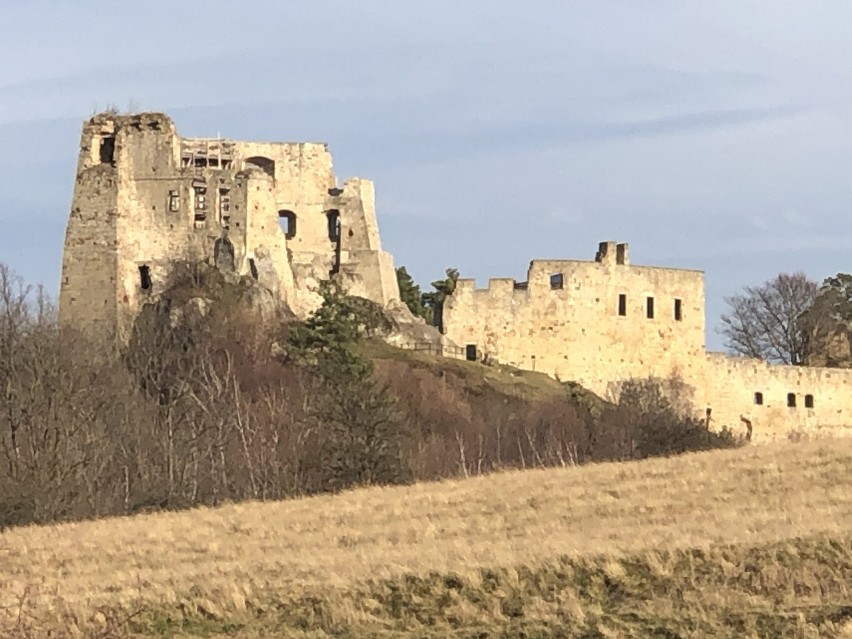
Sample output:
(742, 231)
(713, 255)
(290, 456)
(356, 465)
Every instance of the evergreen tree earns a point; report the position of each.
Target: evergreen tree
(364, 435)
(434, 301)
(409, 292)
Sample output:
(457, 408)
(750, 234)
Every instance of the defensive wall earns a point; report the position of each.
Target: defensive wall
(605, 321)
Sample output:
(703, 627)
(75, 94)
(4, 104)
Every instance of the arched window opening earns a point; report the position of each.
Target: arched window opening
(287, 221)
(791, 400)
(333, 224)
(266, 165)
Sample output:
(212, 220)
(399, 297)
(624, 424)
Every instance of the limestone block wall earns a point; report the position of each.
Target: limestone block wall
(145, 199)
(586, 321)
(777, 400)
(89, 263)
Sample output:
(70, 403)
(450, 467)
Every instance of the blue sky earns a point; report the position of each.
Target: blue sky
(708, 135)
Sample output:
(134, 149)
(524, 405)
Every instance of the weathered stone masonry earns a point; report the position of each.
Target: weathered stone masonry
(605, 321)
(146, 198)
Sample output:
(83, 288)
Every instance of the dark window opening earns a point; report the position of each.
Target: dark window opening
(758, 399)
(107, 150)
(649, 308)
(791, 400)
(287, 221)
(333, 225)
(145, 277)
(174, 201)
(622, 304)
(253, 268)
(809, 401)
(678, 310)
(557, 281)
(470, 352)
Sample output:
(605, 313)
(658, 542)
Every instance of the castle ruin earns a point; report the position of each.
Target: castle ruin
(605, 321)
(146, 199)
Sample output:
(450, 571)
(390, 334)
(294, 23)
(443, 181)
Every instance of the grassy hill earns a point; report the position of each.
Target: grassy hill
(753, 542)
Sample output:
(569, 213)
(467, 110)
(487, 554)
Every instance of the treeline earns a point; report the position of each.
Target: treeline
(219, 407)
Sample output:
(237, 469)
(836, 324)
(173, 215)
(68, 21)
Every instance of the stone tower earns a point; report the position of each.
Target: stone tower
(146, 199)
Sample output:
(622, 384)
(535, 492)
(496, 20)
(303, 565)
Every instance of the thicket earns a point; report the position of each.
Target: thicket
(221, 406)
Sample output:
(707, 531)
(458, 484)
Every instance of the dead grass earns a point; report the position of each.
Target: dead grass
(563, 546)
(499, 378)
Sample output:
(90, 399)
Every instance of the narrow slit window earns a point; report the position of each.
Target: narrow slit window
(622, 304)
(809, 401)
(791, 400)
(649, 308)
(678, 310)
(557, 281)
(758, 398)
(145, 277)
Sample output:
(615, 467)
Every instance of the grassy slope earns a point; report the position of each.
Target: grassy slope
(749, 542)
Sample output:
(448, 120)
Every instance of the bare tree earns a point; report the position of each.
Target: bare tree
(764, 321)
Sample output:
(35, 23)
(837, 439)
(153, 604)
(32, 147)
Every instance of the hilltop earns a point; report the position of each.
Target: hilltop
(746, 542)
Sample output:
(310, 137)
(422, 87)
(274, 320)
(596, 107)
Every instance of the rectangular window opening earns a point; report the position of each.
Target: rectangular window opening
(809, 401)
(791, 400)
(557, 281)
(224, 205)
(649, 308)
(758, 398)
(200, 203)
(174, 201)
(107, 150)
(470, 352)
(145, 277)
(622, 304)
(678, 310)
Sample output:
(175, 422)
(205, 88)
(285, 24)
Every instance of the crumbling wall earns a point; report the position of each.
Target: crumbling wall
(776, 401)
(146, 199)
(566, 320)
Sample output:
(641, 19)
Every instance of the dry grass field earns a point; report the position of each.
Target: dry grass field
(749, 542)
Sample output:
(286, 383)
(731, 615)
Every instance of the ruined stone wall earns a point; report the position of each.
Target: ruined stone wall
(146, 199)
(739, 387)
(566, 321)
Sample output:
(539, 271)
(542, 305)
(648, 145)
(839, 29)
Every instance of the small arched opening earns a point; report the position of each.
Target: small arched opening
(267, 165)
